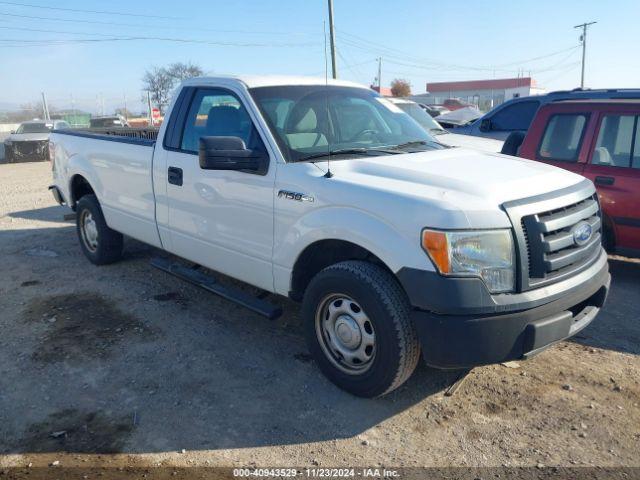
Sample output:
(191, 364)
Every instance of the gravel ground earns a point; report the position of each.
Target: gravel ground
(124, 365)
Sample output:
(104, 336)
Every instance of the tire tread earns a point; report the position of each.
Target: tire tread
(396, 303)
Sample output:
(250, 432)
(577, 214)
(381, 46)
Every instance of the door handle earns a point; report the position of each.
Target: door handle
(175, 176)
(604, 180)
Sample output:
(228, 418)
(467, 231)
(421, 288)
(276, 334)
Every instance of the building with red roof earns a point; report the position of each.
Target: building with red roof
(485, 94)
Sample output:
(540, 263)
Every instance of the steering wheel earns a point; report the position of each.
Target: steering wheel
(362, 133)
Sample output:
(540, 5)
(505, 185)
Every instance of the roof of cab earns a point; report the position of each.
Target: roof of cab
(253, 81)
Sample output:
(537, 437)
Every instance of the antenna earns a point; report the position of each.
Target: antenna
(326, 85)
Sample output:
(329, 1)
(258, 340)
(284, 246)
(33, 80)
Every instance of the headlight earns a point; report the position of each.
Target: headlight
(487, 254)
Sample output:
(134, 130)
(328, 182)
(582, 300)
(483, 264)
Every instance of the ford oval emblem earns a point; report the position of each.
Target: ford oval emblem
(582, 233)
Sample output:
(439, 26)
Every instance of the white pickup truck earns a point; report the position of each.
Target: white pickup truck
(329, 194)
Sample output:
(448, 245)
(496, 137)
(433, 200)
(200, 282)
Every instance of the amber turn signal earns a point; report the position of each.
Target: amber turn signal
(436, 245)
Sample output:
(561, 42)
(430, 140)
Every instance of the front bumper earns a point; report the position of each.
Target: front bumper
(471, 339)
(27, 151)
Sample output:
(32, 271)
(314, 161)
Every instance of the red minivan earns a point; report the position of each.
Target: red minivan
(599, 139)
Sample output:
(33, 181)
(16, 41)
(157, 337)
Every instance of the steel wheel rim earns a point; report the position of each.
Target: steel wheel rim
(89, 231)
(345, 334)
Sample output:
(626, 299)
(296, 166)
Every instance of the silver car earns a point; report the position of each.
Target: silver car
(30, 142)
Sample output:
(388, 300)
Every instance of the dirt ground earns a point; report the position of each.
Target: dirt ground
(125, 365)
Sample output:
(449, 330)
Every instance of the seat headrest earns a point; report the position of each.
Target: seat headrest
(223, 120)
(601, 156)
(303, 121)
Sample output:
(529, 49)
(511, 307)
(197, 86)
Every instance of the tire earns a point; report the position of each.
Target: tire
(348, 306)
(8, 155)
(100, 244)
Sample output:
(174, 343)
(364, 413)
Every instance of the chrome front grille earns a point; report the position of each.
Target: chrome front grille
(557, 234)
(553, 232)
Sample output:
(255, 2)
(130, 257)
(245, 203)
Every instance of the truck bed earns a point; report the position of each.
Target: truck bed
(141, 136)
(118, 163)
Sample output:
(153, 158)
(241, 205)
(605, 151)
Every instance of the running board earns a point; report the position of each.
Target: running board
(210, 284)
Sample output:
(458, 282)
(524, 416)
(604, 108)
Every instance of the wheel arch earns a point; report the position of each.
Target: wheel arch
(323, 253)
(79, 186)
(331, 235)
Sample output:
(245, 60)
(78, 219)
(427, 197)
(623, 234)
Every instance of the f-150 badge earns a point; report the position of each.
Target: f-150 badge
(300, 197)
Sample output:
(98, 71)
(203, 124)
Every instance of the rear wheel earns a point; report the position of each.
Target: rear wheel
(100, 244)
(357, 326)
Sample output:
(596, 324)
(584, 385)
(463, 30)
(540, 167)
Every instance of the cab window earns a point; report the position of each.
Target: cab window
(514, 117)
(216, 113)
(615, 144)
(635, 160)
(562, 137)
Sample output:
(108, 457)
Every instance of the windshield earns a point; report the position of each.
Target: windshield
(34, 128)
(310, 120)
(425, 120)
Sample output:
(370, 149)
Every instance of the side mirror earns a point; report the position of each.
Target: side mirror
(485, 125)
(12, 132)
(230, 153)
(513, 143)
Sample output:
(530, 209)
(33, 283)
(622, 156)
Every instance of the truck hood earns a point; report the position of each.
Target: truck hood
(476, 143)
(456, 179)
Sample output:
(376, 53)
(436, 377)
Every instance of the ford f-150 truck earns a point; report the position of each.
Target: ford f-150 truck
(329, 194)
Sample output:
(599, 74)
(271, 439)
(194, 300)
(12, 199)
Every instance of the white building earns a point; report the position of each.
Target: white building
(485, 94)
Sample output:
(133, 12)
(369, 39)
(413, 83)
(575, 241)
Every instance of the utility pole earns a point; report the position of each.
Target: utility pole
(149, 106)
(583, 38)
(380, 75)
(45, 107)
(332, 38)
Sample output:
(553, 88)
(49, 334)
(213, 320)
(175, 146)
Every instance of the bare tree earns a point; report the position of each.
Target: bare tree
(161, 81)
(159, 84)
(400, 88)
(181, 71)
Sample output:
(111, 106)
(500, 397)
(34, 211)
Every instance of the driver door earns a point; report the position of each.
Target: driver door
(222, 219)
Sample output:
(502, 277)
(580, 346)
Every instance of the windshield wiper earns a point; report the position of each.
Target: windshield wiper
(415, 143)
(438, 131)
(346, 151)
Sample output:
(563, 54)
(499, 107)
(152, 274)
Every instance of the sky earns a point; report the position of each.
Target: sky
(69, 49)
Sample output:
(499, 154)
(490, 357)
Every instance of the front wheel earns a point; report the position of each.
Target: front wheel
(358, 328)
(100, 244)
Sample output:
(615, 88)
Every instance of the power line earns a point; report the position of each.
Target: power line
(353, 66)
(48, 42)
(139, 25)
(128, 38)
(393, 53)
(101, 12)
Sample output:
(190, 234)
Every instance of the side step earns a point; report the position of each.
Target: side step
(210, 284)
